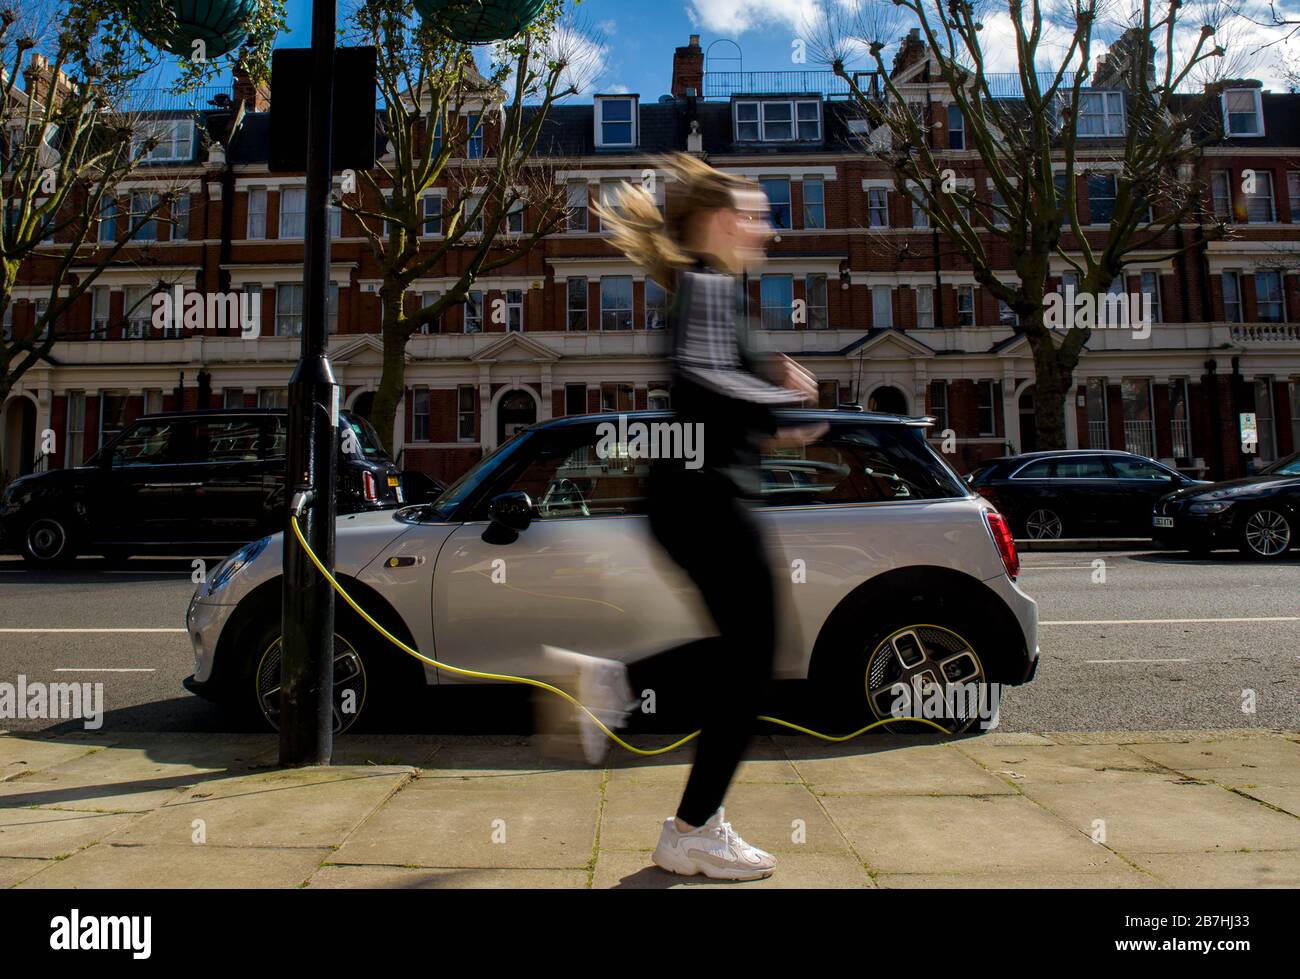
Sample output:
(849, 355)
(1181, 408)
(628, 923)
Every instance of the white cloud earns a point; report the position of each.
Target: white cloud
(734, 17)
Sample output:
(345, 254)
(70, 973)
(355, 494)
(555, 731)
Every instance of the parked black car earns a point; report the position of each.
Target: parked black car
(184, 482)
(1259, 515)
(1076, 492)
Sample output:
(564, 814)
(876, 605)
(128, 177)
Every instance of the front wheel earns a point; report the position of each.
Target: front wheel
(372, 683)
(1044, 524)
(1265, 534)
(49, 541)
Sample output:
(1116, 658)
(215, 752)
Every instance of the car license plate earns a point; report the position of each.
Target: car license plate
(392, 480)
(1162, 521)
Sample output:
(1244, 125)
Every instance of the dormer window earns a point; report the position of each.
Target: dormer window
(616, 121)
(778, 120)
(174, 140)
(1243, 112)
(1101, 114)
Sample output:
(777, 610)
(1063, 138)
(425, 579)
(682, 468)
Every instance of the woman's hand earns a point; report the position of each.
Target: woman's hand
(798, 379)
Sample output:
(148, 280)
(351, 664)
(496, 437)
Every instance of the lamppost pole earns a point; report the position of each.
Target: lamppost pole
(307, 646)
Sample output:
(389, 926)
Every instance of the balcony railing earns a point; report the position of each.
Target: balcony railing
(1265, 332)
(1181, 431)
(724, 84)
(1140, 437)
(1098, 435)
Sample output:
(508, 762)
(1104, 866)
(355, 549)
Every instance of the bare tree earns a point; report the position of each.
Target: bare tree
(1025, 133)
(472, 134)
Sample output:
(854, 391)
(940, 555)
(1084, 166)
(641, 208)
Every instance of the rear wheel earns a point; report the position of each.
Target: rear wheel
(49, 541)
(1265, 534)
(910, 667)
(1044, 524)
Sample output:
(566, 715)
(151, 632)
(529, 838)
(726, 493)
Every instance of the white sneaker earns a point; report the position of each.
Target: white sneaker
(601, 686)
(714, 849)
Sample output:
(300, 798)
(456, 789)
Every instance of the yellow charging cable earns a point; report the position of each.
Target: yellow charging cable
(541, 685)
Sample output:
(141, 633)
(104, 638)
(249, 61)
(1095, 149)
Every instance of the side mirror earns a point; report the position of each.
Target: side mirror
(511, 514)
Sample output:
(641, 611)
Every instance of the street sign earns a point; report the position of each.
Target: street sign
(354, 116)
(1249, 431)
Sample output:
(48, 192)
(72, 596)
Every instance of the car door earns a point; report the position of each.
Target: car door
(137, 497)
(585, 575)
(227, 462)
(1030, 492)
(1140, 482)
(1087, 493)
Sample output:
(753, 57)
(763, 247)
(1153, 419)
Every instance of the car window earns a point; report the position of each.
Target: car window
(146, 444)
(1086, 467)
(1137, 469)
(1289, 466)
(1040, 469)
(569, 477)
(224, 440)
(858, 464)
(367, 440)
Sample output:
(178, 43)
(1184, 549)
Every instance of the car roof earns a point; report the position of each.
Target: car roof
(795, 414)
(1054, 453)
(217, 412)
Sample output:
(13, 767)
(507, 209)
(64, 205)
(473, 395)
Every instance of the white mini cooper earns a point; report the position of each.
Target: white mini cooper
(897, 574)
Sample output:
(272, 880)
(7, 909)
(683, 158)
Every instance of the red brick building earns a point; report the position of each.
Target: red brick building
(856, 288)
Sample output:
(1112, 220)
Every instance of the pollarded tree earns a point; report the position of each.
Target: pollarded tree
(471, 136)
(1137, 115)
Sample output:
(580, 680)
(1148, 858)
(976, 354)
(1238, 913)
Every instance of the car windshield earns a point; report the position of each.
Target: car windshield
(1290, 466)
(463, 488)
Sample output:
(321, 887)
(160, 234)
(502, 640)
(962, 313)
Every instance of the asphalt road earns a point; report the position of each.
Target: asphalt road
(1165, 641)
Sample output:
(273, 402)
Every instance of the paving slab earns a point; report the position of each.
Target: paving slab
(633, 870)
(22, 755)
(54, 833)
(764, 762)
(1116, 874)
(1225, 869)
(15, 870)
(307, 807)
(481, 822)
(920, 770)
(1233, 761)
(962, 835)
(181, 865)
(1159, 737)
(1168, 817)
(522, 758)
(431, 878)
(1063, 763)
(388, 751)
(1284, 797)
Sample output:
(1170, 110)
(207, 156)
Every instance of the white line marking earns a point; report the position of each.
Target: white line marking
(105, 669)
(1266, 618)
(89, 630)
(1137, 661)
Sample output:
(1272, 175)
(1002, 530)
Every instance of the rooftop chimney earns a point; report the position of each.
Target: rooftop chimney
(688, 69)
(256, 96)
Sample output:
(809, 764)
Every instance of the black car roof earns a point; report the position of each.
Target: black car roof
(1050, 453)
(801, 414)
(218, 412)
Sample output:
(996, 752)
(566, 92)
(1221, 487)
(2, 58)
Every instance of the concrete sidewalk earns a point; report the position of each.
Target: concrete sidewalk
(1117, 809)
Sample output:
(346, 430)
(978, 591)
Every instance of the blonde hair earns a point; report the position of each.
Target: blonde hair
(657, 244)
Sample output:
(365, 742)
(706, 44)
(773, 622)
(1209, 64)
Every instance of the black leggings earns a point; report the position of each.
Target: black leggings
(702, 524)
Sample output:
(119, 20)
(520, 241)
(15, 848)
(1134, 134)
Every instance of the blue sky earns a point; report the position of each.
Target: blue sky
(632, 41)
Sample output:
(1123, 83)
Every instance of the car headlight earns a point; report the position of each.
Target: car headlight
(1210, 506)
(236, 563)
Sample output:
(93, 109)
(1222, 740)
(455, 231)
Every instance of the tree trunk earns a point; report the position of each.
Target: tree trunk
(1051, 385)
(392, 382)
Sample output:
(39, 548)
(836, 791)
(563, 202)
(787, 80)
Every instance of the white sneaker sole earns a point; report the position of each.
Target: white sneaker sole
(684, 866)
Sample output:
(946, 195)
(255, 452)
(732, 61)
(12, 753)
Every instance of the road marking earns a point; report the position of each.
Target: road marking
(105, 669)
(89, 630)
(1137, 661)
(1266, 618)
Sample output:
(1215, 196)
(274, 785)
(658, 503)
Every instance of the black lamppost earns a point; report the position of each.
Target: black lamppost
(307, 644)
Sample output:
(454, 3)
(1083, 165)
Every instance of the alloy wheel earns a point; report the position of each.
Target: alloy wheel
(349, 684)
(46, 539)
(1043, 525)
(907, 665)
(1267, 533)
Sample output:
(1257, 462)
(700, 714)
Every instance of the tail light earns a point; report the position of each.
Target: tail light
(1001, 534)
(368, 487)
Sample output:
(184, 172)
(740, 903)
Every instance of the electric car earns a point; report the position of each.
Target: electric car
(890, 572)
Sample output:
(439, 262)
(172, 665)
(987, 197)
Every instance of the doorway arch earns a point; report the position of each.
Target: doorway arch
(516, 408)
(888, 400)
